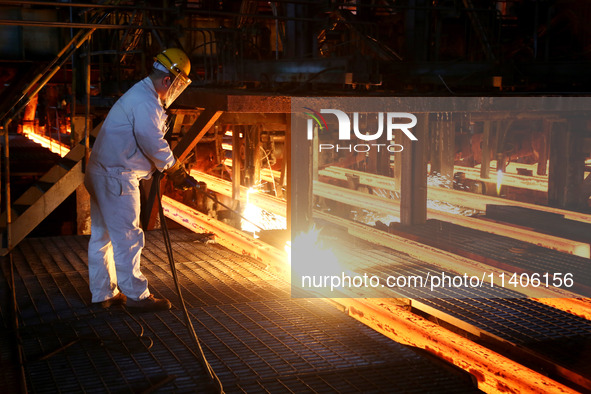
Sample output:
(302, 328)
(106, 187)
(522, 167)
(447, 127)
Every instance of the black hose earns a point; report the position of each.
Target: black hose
(212, 376)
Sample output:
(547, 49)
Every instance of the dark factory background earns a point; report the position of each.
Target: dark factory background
(505, 189)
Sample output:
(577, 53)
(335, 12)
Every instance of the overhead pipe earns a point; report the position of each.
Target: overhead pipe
(9, 22)
(84, 5)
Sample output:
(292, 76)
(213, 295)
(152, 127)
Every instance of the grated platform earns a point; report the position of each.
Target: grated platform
(254, 335)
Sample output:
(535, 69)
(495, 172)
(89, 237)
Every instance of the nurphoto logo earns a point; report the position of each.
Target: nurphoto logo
(388, 121)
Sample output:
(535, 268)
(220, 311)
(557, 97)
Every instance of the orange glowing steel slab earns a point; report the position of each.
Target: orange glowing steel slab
(266, 174)
(456, 197)
(49, 143)
(548, 241)
(493, 372)
(392, 207)
(479, 202)
(261, 200)
(227, 236)
(521, 181)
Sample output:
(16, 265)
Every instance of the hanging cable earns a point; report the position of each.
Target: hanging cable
(188, 324)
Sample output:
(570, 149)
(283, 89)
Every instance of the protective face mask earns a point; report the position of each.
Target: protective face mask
(179, 84)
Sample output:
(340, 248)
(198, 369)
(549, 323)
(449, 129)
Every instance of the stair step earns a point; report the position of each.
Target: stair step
(44, 186)
(67, 163)
(46, 194)
(19, 209)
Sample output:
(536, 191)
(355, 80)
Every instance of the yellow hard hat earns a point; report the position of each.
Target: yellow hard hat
(176, 61)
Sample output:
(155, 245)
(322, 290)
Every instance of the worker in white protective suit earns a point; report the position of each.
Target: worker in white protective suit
(130, 146)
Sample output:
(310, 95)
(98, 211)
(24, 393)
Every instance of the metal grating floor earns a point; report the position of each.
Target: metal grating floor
(256, 337)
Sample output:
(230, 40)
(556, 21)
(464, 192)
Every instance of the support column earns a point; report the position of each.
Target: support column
(252, 162)
(567, 165)
(236, 166)
(503, 127)
(378, 159)
(397, 158)
(383, 159)
(544, 148)
(413, 203)
(485, 162)
(315, 158)
(416, 30)
(299, 42)
(299, 177)
(286, 175)
(443, 144)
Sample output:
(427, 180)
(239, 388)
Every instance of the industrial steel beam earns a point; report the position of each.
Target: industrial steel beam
(201, 126)
(83, 5)
(262, 200)
(74, 25)
(227, 236)
(534, 182)
(266, 174)
(392, 207)
(456, 197)
(413, 182)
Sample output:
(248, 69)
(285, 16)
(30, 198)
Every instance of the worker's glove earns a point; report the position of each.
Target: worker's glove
(180, 178)
(200, 185)
(195, 184)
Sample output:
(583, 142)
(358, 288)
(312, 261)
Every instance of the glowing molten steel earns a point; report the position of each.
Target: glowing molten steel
(258, 218)
(318, 268)
(252, 213)
(46, 142)
(314, 252)
(499, 181)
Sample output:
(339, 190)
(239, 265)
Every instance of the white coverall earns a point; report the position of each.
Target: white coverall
(130, 146)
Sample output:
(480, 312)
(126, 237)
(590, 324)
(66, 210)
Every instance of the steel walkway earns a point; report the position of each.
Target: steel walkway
(256, 337)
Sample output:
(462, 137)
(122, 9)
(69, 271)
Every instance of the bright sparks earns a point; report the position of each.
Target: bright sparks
(311, 256)
(252, 213)
(314, 253)
(258, 218)
(499, 181)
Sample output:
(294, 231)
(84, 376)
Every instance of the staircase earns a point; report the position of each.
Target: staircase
(44, 196)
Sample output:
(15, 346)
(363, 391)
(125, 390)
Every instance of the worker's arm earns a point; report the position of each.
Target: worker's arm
(148, 123)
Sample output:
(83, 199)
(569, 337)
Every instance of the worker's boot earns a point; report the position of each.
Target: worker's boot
(148, 304)
(118, 299)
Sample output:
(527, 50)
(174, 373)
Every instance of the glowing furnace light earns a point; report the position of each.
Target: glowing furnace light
(46, 142)
(252, 213)
(256, 218)
(499, 181)
(287, 248)
(315, 258)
